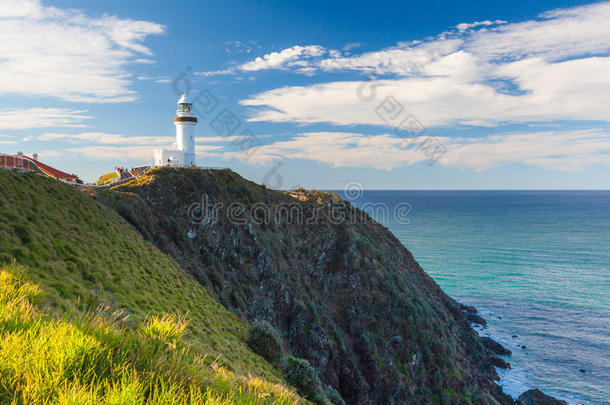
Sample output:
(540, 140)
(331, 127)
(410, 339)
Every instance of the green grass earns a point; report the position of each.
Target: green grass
(84, 255)
(97, 358)
(107, 178)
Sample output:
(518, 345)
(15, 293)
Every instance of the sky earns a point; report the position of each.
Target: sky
(385, 95)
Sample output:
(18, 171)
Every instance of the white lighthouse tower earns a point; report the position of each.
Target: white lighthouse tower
(183, 152)
(185, 122)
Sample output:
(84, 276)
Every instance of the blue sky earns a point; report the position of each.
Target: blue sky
(391, 95)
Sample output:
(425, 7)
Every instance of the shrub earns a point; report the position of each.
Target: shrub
(265, 341)
(333, 396)
(300, 374)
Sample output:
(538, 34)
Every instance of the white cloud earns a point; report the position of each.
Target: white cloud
(129, 152)
(276, 60)
(117, 139)
(106, 139)
(571, 90)
(116, 147)
(559, 150)
(557, 34)
(237, 47)
(401, 60)
(156, 79)
(228, 71)
(231, 138)
(49, 154)
(114, 153)
(339, 149)
(535, 71)
(486, 23)
(68, 55)
(297, 56)
(18, 8)
(351, 45)
(41, 118)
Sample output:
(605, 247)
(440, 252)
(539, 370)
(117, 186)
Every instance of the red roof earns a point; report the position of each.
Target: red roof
(53, 172)
(17, 161)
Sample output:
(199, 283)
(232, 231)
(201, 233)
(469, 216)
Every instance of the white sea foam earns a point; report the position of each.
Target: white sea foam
(513, 381)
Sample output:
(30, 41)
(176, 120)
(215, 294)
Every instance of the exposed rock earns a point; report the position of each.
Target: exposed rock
(465, 308)
(469, 312)
(474, 318)
(498, 362)
(494, 346)
(500, 397)
(537, 397)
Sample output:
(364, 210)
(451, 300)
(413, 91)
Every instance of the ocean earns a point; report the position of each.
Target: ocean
(535, 263)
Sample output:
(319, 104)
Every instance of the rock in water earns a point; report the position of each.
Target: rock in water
(494, 346)
(498, 362)
(474, 318)
(537, 397)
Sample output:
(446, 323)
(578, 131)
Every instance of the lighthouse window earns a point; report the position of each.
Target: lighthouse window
(186, 107)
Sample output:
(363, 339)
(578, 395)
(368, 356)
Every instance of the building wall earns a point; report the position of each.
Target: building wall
(169, 157)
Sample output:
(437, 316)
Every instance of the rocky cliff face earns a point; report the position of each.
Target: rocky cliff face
(342, 291)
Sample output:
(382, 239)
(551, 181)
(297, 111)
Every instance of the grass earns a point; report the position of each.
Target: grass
(84, 255)
(107, 178)
(98, 359)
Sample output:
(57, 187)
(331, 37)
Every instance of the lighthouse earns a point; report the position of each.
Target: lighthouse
(183, 151)
(185, 122)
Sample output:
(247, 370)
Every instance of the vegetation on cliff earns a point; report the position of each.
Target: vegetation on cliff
(340, 289)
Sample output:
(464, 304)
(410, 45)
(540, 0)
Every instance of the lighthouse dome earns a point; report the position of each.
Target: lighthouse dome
(185, 99)
(185, 106)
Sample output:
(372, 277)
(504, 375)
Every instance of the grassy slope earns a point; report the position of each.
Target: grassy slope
(82, 255)
(96, 358)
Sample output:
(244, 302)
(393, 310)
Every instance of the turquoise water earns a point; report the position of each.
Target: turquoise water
(536, 264)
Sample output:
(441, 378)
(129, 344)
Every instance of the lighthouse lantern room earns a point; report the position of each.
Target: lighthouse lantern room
(183, 151)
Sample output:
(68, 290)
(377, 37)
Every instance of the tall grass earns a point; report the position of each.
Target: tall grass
(100, 357)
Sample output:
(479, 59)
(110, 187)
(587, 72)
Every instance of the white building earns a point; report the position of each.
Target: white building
(183, 151)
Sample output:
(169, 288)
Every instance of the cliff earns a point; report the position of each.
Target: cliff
(339, 288)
